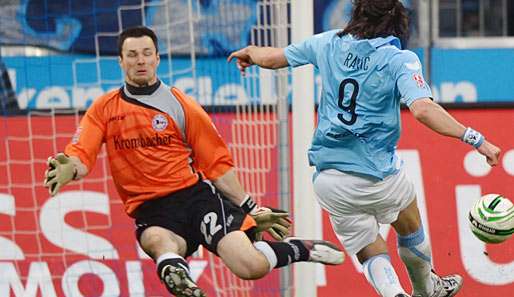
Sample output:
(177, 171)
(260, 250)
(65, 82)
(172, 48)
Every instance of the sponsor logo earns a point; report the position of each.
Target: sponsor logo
(419, 80)
(230, 219)
(482, 227)
(141, 141)
(159, 122)
(296, 251)
(76, 136)
(116, 118)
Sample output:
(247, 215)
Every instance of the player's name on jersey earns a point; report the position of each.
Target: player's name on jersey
(355, 62)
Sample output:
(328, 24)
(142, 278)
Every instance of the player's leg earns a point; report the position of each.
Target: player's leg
(346, 198)
(161, 226)
(250, 260)
(414, 249)
(156, 241)
(168, 250)
(225, 230)
(377, 267)
(416, 253)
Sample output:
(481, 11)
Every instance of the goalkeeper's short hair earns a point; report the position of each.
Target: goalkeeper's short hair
(138, 31)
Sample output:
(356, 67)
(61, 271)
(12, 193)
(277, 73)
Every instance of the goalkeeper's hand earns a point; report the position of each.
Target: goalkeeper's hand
(60, 172)
(274, 221)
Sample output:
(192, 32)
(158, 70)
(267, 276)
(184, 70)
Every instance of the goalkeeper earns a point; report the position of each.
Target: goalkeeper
(173, 172)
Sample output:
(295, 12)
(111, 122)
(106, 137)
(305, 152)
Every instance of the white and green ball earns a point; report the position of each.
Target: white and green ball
(492, 218)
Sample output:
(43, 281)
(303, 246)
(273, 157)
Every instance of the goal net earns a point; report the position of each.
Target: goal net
(80, 242)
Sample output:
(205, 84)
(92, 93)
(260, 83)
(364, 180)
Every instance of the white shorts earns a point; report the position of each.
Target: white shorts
(357, 204)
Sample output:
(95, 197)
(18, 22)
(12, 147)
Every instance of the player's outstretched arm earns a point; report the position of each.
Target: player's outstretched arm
(438, 119)
(274, 221)
(61, 170)
(266, 57)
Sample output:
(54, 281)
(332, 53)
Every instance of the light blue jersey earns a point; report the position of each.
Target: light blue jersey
(363, 83)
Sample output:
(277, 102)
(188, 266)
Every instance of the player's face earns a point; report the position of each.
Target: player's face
(139, 61)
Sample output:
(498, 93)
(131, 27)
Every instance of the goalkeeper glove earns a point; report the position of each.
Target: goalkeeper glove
(274, 221)
(60, 172)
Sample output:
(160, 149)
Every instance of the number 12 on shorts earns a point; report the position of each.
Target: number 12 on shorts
(209, 226)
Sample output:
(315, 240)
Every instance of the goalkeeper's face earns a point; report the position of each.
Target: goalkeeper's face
(139, 60)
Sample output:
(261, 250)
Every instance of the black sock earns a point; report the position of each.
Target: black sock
(176, 262)
(289, 252)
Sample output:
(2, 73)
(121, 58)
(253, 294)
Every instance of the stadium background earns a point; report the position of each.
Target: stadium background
(57, 56)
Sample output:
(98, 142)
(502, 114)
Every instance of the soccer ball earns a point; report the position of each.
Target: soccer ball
(492, 218)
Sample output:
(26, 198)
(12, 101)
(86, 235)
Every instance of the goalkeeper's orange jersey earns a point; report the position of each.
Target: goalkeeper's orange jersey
(156, 143)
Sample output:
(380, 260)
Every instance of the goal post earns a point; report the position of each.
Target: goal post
(305, 207)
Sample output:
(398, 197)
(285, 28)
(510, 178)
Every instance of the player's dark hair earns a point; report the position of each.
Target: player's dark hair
(139, 31)
(378, 18)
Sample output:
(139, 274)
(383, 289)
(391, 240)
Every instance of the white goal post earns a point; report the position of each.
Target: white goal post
(302, 26)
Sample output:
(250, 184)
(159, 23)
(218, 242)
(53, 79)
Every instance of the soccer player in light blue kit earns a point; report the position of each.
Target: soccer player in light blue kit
(359, 179)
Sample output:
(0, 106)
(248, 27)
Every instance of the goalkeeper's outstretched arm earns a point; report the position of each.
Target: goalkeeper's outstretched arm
(275, 222)
(80, 154)
(229, 185)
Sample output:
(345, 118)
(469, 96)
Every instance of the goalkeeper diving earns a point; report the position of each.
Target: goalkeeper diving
(176, 177)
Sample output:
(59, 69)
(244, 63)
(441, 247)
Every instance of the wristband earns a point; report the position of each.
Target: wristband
(248, 205)
(473, 137)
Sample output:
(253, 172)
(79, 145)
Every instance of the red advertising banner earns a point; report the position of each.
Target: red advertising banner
(81, 243)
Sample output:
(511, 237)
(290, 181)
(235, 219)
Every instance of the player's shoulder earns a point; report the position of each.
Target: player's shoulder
(403, 56)
(325, 37)
(101, 103)
(328, 34)
(181, 96)
(186, 101)
(178, 93)
(399, 59)
(107, 98)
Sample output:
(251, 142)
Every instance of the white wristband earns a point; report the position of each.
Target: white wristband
(473, 137)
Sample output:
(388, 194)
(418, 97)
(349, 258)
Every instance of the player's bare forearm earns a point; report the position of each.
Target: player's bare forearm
(266, 57)
(436, 118)
(276, 222)
(229, 185)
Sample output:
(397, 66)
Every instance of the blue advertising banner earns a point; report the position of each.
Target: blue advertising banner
(81, 72)
(75, 81)
(473, 75)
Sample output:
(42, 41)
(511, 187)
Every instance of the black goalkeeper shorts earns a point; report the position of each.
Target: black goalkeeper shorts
(199, 214)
